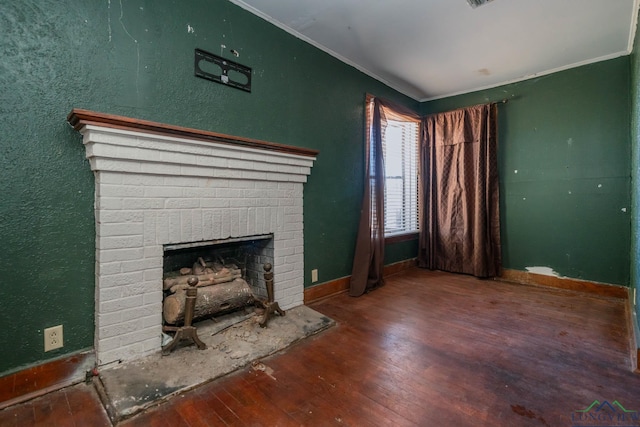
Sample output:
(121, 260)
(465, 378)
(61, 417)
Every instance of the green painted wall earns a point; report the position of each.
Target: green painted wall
(396, 252)
(135, 58)
(635, 174)
(564, 162)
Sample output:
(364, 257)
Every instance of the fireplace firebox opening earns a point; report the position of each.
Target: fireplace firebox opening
(228, 274)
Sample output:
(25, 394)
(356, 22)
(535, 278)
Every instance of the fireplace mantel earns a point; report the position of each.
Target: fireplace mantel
(79, 118)
(160, 185)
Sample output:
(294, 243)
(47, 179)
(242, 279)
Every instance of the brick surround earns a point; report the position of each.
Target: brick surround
(156, 189)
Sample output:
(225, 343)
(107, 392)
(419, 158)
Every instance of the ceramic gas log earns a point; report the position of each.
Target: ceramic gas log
(210, 301)
(221, 289)
(208, 273)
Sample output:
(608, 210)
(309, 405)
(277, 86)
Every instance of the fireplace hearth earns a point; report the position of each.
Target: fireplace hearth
(160, 186)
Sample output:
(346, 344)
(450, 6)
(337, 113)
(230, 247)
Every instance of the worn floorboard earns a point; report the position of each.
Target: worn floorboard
(429, 348)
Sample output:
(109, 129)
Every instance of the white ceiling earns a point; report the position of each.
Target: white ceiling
(430, 49)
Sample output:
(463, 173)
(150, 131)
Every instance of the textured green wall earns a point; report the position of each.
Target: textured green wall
(396, 252)
(564, 162)
(135, 58)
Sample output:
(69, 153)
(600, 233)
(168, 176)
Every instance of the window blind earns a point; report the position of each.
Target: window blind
(400, 147)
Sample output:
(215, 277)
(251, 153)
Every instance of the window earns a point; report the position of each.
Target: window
(400, 148)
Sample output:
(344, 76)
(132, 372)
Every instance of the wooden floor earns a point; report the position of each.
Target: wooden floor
(427, 349)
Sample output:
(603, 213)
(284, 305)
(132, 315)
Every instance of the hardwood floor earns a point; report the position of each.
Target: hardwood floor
(77, 406)
(427, 349)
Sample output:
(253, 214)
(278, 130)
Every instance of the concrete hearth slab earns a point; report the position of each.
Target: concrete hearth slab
(233, 342)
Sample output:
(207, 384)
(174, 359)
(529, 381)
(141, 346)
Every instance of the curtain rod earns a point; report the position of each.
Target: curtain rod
(502, 101)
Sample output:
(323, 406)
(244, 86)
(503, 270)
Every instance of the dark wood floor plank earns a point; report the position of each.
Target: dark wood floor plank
(45, 412)
(19, 415)
(85, 406)
(170, 415)
(187, 407)
(216, 408)
(285, 391)
(231, 403)
(255, 402)
(200, 405)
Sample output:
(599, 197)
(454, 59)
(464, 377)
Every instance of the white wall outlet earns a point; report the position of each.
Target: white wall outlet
(53, 338)
(314, 275)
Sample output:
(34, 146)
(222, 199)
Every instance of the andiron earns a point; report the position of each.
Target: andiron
(187, 331)
(270, 306)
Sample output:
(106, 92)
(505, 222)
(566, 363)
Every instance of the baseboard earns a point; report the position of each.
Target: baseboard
(601, 289)
(633, 342)
(398, 267)
(326, 289)
(633, 339)
(341, 285)
(38, 380)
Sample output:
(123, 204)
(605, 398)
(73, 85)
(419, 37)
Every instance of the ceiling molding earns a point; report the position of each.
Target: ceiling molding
(531, 76)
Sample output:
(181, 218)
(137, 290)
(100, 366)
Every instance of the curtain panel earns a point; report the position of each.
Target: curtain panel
(460, 223)
(368, 260)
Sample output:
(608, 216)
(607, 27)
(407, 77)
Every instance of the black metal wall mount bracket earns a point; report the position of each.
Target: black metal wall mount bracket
(231, 73)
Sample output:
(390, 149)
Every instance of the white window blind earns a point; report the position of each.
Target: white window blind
(400, 146)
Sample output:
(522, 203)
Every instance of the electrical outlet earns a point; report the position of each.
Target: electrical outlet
(53, 338)
(314, 275)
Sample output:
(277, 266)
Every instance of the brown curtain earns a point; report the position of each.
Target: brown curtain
(460, 223)
(368, 262)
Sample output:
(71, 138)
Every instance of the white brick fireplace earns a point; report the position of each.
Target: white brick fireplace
(160, 185)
